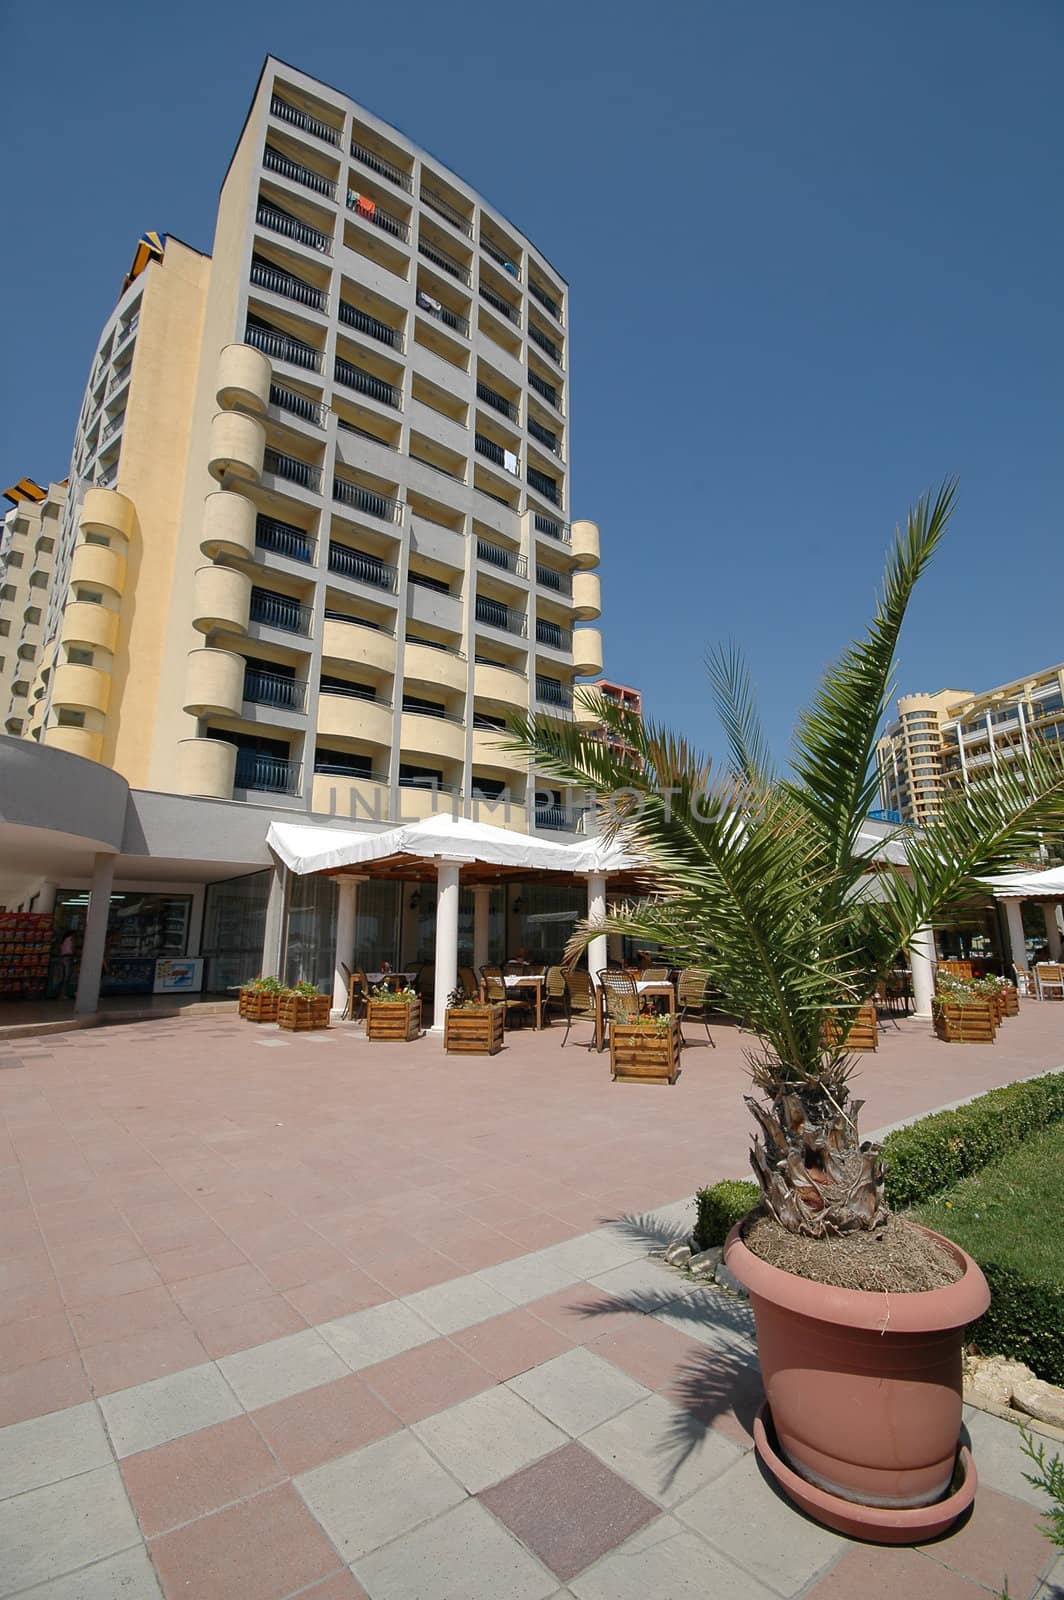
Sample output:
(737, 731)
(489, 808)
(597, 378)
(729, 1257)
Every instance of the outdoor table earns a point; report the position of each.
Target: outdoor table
(528, 980)
(644, 986)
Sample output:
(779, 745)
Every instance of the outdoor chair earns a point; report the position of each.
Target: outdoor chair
(581, 1004)
(1024, 981)
(516, 1005)
(469, 983)
(620, 997)
(655, 975)
(1049, 976)
(694, 998)
(555, 994)
(346, 970)
(358, 990)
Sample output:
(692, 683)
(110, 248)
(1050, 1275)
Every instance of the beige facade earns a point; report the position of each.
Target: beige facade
(946, 741)
(319, 543)
(29, 535)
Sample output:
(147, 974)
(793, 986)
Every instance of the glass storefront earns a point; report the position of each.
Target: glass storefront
(311, 947)
(543, 917)
(141, 928)
(234, 930)
(378, 922)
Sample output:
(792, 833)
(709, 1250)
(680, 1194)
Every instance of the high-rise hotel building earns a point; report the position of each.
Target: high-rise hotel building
(318, 540)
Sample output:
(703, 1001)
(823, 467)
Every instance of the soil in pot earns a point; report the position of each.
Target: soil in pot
(897, 1258)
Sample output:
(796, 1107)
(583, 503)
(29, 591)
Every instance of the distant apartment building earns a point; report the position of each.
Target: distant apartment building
(29, 533)
(946, 741)
(621, 695)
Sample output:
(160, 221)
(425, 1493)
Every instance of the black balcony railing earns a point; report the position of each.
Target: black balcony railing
(543, 485)
(414, 708)
(274, 689)
(282, 347)
(501, 257)
(442, 313)
(355, 317)
(332, 615)
(497, 556)
(498, 402)
(551, 578)
(350, 563)
(539, 338)
(284, 539)
(267, 276)
(271, 774)
(551, 527)
(364, 382)
(545, 436)
(511, 313)
(127, 332)
(279, 221)
(552, 693)
(436, 644)
(370, 211)
(350, 427)
(121, 377)
(276, 161)
(370, 501)
(553, 634)
(292, 469)
(112, 427)
(303, 119)
(279, 611)
(547, 390)
(498, 453)
(443, 208)
(544, 299)
(497, 615)
(440, 258)
(298, 405)
(376, 163)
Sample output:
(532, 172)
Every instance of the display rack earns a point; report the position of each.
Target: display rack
(25, 953)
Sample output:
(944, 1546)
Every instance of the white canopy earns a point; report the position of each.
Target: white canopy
(308, 849)
(1027, 885)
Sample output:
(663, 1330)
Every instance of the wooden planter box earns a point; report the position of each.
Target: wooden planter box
(258, 1006)
(640, 1053)
(473, 1030)
(298, 1015)
(392, 1020)
(863, 1034)
(968, 1024)
(1011, 1001)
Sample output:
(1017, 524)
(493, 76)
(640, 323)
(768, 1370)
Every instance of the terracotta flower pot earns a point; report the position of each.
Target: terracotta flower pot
(864, 1390)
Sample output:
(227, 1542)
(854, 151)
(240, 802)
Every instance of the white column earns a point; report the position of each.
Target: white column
(1049, 911)
(447, 878)
(481, 923)
(921, 956)
(346, 907)
(1014, 922)
(596, 910)
(45, 898)
(273, 935)
(92, 949)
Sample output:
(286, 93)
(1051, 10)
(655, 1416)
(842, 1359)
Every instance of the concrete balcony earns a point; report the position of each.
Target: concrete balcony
(236, 446)
(243, 379)
(587, 596)
(440, 668)
(348, 716)
(86, 623)
(585, 544)
(214, 683)
(228, 525)
(500, 814)
(206, 767)
(221, 599)
(414, 804)
(361, 799)
(501, 684)
(107, 512)
(81, 688)
(362, 647)
(488, 752)
(435, 737)
(587, 652)
(87, 742)
(99, 566)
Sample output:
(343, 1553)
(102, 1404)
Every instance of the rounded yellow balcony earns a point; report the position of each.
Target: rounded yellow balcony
(423, 664)
(84, 622)
(585, 546)
(221, 598)
(87, 742)
(587, 596)
(583, 716)
(432, 736)
(500, 684)
(243, 378)
(214, 682)
(98, 566)
(206, 767)
(228, 525)
(368, 647)
(81, 688)
(488, 752)
(587, 652)
(345, 716)
(108, 512)
(236, 446)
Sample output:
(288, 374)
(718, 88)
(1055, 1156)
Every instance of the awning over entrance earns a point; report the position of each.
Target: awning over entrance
(1027, 885)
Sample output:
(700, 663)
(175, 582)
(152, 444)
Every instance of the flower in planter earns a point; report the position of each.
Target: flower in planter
(404, 997)
(304, 989)
(458, 1000)
(263, 985)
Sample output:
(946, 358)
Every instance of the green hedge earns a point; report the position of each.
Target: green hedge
(1025, 1321)
(720, 1207)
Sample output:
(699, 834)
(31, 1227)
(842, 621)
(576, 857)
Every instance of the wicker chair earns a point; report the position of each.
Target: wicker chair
(555, 994)
(620, 997)
(1049, 980)
(514, 1003)
(469, 983)
(1024, 981)
(655, 975)
(581, 1004)
(693, 995)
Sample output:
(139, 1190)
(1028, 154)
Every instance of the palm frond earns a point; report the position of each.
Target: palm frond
(737, 710)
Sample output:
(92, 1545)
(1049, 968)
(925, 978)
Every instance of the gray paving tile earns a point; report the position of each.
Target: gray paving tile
(1053, 1588)
(594, 1252)
(167, 1408)
(64, 1526)
(999, 1458)
(720, 1320)
(366, 1337)
(282, 1367)
(489, 1437)
(46, 1449)
(528, 1278)
(645, 1278)
(665, 1452)
(370, 1497)
(769, 1538)
(666, 1562)
(578, 1390)
(464, 1555)
(458, 1304)
(129, 1576)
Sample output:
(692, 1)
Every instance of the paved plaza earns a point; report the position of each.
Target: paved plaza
(305, 1316)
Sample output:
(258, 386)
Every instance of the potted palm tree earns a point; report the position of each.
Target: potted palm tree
(780, 885)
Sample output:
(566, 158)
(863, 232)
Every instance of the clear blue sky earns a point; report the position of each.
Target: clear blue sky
(815, 257)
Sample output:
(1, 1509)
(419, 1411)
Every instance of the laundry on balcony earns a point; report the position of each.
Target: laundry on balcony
(427, 303)
(510, 462)
(361, 203)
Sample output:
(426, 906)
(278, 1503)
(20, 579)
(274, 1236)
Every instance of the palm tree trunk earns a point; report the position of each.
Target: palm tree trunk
(816, 1178)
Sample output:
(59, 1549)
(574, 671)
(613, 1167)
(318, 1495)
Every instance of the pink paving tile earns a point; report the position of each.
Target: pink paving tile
(305, 1263)
(347, 1290)
(263, 1549)
(582, 1313)
(108, 1283)
(196, 1260)
(427, 1379)
(214, 1290)
(274, 1239)
(536, 1232)
(569, 1509)
(35, 1339)
(650, 1352)
(1003, 1539)
(30, 1300)
(239, 1327)
(880, 1573)
(409, 1270)
(70, 1258)
(201, 1473)
(343, 1586)
(45, 1386)
(28, 1267)
(124, 1316)
(511, 1343)
(498, 1209)
(121, 1363)
(308, 1429)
